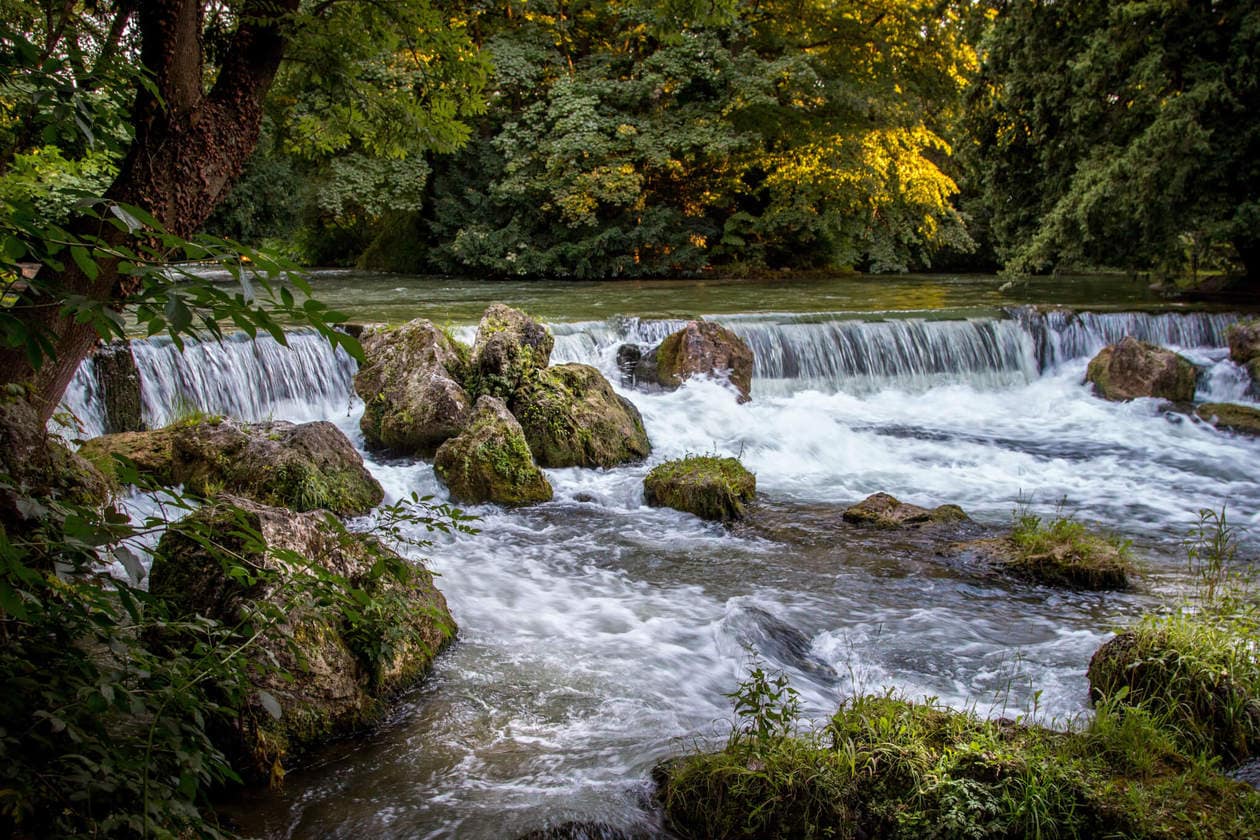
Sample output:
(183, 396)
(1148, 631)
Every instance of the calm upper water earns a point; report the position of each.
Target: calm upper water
(600, 636)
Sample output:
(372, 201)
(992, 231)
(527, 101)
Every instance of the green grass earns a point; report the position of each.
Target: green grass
(887, 767)
(1065, 552)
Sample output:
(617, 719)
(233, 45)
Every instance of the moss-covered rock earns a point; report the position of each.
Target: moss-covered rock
(119, 381)
(1060, 553)
(301, 467)
(572, 418)
(702, 348)
(884, 511)
(707, 486)
(490, 461)
(888, 768)
(1131, 369)
(412, 398)
(510, 347)
(337, 671)
(1198, 672)
(1244, 341)
(36, 469)
(1235, 418)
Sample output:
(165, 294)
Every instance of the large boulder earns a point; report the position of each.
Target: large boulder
(36, 469)
(510, 346)
(118, 378)
(412, 398)
(1235, 418)
(710, 487)
(1131, 369)
(702, 348)
(884, 511)
(490, 461)
(572, 418)
(301, 467)
(1244, 341)
(330, 646)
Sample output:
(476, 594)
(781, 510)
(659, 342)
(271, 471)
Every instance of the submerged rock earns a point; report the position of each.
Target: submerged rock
(585, 831)
(490, 461)
(885, 511)
(1235, 418)
(707, 486)
(1131, 369)
(116, 374)
(339, 670)
(510, 346)
(1104, 567)
(571, 417)
(702, 348)
(302, 467)
(412, 399)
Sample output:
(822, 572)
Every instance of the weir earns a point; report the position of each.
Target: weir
(830, 352)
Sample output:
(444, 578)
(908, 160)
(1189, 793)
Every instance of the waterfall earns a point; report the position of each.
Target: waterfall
(828, 352)
(238, 377)
(838, 352)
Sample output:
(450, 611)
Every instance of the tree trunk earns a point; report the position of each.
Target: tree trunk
(190, 145)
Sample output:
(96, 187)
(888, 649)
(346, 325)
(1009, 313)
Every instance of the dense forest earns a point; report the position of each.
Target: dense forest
(615, 139)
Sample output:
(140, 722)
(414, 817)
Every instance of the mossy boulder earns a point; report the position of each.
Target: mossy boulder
(36, 469)
(1196, 672)
(1244, 341)
(1131, 369)
(710, 487)
(491, 461)
(510, 347)
(301, 467)
(701, 348)
(335, 671)
(572, 418)
(412, 398)
(884, 511)
(1235, 418)
(118, 378)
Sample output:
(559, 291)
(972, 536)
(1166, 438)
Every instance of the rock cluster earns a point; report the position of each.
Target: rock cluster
(885, 511)
(492, 414)
(1244, 348)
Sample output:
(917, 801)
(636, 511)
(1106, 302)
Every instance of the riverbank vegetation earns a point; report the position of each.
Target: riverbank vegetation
(1177, 701)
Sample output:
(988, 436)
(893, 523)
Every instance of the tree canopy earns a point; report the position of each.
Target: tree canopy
(1121, 134)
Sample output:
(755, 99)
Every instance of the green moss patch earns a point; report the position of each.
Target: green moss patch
(707, 486)
(1235, 418)
(491, 461)
(1062, 552)
(885, 767)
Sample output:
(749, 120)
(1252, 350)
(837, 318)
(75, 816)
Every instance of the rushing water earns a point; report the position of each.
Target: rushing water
(599, 636)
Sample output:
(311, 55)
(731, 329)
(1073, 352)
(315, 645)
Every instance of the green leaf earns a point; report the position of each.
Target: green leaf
(269, 703)
(83, 259)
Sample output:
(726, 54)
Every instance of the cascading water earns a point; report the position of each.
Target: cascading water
(599, 636)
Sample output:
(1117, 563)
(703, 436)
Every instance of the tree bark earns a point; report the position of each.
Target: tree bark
(190, 145)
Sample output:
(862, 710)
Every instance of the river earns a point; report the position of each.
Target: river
(599, 636)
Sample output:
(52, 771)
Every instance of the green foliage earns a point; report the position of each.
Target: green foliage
(1121, 134)
(766, 707)
(885, 767)
(640, 139)
(116, 698)
(1195, 668)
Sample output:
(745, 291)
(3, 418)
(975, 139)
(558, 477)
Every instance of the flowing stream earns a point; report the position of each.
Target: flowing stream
(599, 636)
